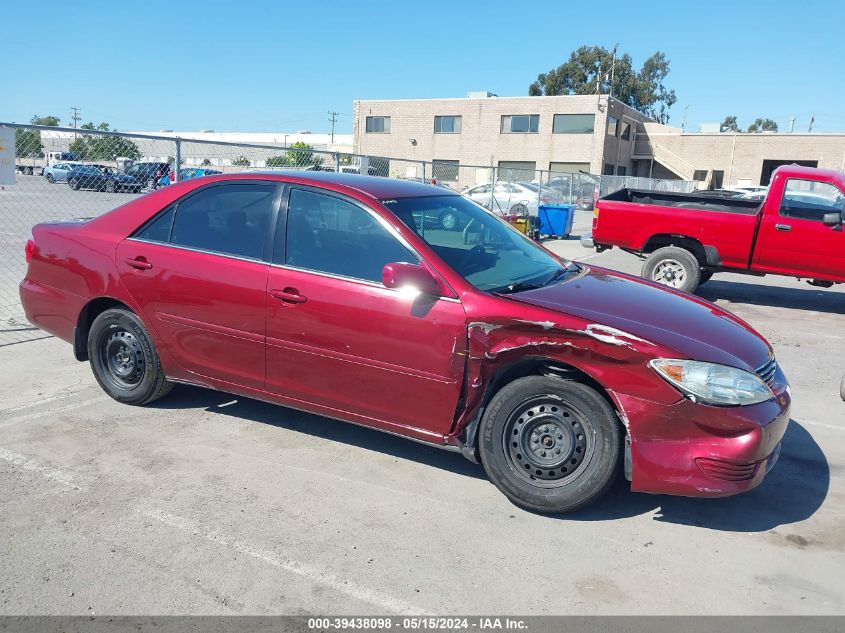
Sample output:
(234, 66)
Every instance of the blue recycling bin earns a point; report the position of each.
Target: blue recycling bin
(556, 219)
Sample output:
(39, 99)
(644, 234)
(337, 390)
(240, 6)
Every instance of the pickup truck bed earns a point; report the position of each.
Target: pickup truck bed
(685, 238)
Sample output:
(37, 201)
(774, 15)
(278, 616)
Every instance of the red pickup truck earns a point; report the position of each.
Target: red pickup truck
(685, 238)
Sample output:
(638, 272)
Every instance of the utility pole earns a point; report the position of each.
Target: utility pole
(812, 120)
(333, 120)
(75, 117)
(613, 68)
(684, 123)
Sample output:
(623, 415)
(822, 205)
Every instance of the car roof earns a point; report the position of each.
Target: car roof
(813, 172)
(377, 187)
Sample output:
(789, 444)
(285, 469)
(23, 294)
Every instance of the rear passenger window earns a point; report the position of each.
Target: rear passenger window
(158, 230)
(230, 219)
(330, 235)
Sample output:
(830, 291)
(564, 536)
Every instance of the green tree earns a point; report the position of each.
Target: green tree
(589, 69)
(102, 147)
(729, 124)
(241, 161)
(28, 142)
(280, 160)
(763, 125)
(301, 155)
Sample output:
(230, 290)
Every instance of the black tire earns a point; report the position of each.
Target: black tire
(706, 275)
(124, 359)
(842, 388)
(50, 178)
(571, 438)
(674, 267)
(73, 183)
(27, 171)
(110, 186)
(151, 184)
(448, 221)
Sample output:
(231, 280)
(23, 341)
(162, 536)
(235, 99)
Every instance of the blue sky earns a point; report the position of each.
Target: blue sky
(281, 66)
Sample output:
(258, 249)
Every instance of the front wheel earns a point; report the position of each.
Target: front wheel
(124, 359)
(151, 184)
(674, 267)
(73, 183)
(110, 186)
(50, 178)
(550, 445)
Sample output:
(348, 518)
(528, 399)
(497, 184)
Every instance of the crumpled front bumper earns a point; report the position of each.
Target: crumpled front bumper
(698, 450)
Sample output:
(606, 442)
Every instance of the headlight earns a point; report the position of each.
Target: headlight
(709, 383)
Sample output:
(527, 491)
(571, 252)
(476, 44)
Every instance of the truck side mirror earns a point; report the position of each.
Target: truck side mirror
(832, 219)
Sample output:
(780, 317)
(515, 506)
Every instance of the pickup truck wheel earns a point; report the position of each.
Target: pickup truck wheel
(124, 359)
(674, 267)
(550, 445)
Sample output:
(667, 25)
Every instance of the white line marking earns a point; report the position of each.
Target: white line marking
(822, 424)
(61, 476)
(46, 414)
(371, 596)
(581, 259)
(63, 396)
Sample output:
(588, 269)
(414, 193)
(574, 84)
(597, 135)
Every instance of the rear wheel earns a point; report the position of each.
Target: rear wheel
(73, 183)
(28, 171)
(110, 186)
(674, 267)
(124, 359)
(550, 445)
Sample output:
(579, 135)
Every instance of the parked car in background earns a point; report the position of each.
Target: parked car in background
(58, 171)
(100, 178)
(37, 166)
(797, 231)
(148, 174)
(186, 173)
(583, 189)
(510, 197)
(326, 292)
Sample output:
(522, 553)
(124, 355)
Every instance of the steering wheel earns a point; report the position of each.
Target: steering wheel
(474, 252)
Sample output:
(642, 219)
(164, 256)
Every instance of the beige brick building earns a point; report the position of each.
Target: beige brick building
(520, 134)
(589, 133)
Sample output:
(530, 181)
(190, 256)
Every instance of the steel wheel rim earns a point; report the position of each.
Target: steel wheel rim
(123, 359)
(669, 272)
(449, 221)
(548, 442)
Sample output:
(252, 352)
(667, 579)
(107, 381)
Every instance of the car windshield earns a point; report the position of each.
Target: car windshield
(479, 246)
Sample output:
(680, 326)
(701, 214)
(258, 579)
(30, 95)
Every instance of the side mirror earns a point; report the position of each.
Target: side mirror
(405, 275)
(832, 219)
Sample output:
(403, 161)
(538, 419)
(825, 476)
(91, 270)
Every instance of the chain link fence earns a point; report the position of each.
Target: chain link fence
(65, 173)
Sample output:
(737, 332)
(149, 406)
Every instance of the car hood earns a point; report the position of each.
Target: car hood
(692, 327)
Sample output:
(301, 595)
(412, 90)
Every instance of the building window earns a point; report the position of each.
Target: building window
(574, 124)
(700, 175)
(612, 125)
(378, 124)
(608, 169)
(621, 170)
(446, 170)
(626, 131)
(510, 170)
(520, 123)
(447, 125)
(718, 178)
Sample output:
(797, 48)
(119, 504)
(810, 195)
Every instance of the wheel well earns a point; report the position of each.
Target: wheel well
(532, 366)
(90, 312)
(687, 243)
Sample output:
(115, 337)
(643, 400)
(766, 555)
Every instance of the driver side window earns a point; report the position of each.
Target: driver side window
(810, 200)
(330, 235)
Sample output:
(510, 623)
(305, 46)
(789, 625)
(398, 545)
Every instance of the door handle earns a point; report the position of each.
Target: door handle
(783, 227)
(288, 295)
(139, 263)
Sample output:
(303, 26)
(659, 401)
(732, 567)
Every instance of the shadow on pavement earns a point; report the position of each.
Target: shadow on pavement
(185, 397)
(794, 489)
(809, 298)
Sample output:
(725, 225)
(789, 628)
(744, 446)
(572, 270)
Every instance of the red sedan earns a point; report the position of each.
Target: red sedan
(407, 308)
